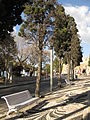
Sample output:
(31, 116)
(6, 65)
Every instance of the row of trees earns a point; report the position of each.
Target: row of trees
(66, 41)
(45, 24)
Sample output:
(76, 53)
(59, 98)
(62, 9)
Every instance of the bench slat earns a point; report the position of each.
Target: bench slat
(19, 99)
(25, 102)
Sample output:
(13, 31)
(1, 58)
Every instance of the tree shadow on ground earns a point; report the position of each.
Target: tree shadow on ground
(79, 98)
(87, 85)
(72, 113)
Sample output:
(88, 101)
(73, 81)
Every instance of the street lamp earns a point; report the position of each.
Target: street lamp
(51, 70)
(51, 67)
(51, 63)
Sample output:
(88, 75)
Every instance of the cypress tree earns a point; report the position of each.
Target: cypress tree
(61, 36)
(76, 50)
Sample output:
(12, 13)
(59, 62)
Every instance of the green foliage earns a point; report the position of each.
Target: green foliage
(10, 15)
(56, 64)
(47, 69)
(73, 48)
(37, 26)
(76, 50)
(62, 33)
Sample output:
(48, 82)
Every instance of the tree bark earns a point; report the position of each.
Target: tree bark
(59, 77)
(37, 91)
(72, 71)
(6, 69)
(68, 77)
(5, 73)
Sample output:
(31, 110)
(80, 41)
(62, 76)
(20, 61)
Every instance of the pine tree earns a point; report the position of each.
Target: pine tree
(37, 28)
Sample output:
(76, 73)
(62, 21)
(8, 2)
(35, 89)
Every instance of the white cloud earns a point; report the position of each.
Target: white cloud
(14, 28)
(81, 15)
(14, 32)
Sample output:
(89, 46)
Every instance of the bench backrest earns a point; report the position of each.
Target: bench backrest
(17, 98)
(67, 81)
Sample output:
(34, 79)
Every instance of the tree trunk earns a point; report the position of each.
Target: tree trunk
(68, 77)
(0, 72)
(10, 74)
(59, 77)
(72, 71)
(6, 77)
(6, 69)
(37, 91)
(3, 76)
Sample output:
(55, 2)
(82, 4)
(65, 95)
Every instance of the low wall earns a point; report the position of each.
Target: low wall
(23, 79)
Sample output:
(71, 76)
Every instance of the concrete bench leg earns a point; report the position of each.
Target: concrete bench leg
(12, 110)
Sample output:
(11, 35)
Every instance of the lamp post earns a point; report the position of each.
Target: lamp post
(51, 69)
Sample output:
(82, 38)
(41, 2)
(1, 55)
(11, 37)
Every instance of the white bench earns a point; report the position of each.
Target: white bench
(68, 82)
(17, 100)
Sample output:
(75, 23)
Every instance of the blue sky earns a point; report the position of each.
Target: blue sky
(75, 2)
(80, 10)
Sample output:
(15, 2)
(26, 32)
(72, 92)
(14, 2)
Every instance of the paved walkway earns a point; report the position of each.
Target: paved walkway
(69, 103)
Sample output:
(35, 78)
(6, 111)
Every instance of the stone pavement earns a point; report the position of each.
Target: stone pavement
(69, 103)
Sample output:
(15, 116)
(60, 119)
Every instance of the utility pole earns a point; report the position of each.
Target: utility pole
(51, 69)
